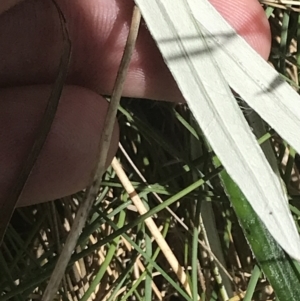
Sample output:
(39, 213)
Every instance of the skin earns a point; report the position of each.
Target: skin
(30, 50)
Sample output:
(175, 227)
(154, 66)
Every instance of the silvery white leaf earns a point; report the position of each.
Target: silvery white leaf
(199, 65)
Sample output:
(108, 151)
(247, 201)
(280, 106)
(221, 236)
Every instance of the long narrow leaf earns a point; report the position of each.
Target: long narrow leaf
(199, 64)
(275, 263)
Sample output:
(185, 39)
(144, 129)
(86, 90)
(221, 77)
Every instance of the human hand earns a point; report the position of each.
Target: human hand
(30, 50)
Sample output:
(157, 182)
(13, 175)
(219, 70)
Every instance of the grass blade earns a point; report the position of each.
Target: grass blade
(274, 262)
(7, 208)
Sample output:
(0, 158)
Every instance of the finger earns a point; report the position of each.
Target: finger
(70, 151)
(249, 20)
(31, 44)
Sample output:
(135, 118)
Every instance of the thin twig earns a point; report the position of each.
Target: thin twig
(175, 216)
(169, 255)
(96, 176)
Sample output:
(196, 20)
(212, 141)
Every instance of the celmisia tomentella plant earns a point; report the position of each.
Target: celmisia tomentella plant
(198, 45)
